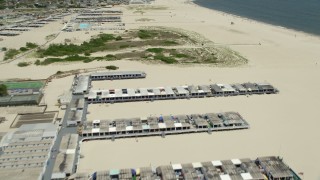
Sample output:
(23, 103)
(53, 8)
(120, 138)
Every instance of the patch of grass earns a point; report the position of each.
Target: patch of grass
(94, 45)
(49, 37)
(67, 59)
(181, 55)
(111, 57)
(23, 64)
(10, 54)
(112, 67)
(170, 42)
(168, 60)
(146, 34)
(99, 58)
(88, 60)
(123, 46)
(155, 50)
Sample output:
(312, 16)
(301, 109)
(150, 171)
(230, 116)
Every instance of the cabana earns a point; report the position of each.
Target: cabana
(216, 90)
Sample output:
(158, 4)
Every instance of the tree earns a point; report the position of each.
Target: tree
(3, 90)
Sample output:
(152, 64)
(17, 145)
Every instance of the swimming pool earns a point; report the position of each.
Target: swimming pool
(84, 26)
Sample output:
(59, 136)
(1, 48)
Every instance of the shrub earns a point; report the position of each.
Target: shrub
(4, 49)
(146, 34)
(23, 64)
(37, 62)
(10, 54)
(168, 42)
(87, 60)
(3, 90)
(59, 72)
(168, 60)
(87, 53)
(124, 46)
(181, 55)
(23, 49)
(118, 38)
(155, 50)
(111, 57)
(31, 45)
(112, 67)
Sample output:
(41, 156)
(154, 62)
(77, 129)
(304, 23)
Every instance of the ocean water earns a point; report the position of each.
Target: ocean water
(301, 15)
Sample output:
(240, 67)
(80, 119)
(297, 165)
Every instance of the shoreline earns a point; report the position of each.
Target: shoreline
(191, 2)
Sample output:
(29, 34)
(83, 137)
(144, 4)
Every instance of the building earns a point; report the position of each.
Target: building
(81, 84)
(26, 151)
(117, 75)
(162, 125)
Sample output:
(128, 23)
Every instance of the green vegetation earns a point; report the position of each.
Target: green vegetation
(181, 55)
(87, 53)
(3, 90)
(4, 49)
(124, 46)
(169, 42)
(112, 67)
(111, 57)
(10, 54)
(155, 50)
(59, 72)
(67, 59)
(23, 64)
(30, 45)
(146, 34)
(37, 62)
(118, 38)
(168, 60)
(94, 45)
(23, 49)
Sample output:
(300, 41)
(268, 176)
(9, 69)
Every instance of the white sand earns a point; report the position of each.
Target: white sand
(285, 124)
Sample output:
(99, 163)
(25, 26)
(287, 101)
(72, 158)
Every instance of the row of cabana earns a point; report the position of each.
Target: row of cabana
(14, 30)
(179, 92)
(242, 169)
(164, 125)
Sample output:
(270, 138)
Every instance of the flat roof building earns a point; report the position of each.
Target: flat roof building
(26, 151)
(81, 85)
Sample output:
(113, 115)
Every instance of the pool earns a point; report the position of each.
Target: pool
(84, 26)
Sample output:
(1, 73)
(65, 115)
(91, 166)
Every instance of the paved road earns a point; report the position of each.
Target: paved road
(63, 131)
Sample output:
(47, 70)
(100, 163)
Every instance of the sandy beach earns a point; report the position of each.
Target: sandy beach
(285, 124)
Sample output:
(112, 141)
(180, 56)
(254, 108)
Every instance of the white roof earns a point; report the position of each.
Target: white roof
(162, 125)
(96, 121)
(196, 165)
(129, 128)
(95, 130)
(236, 161)
(70, 151)
(112, 129)
(216, 163)
(176, 166)
(225, 177)
(246, 176)
(177, 125)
